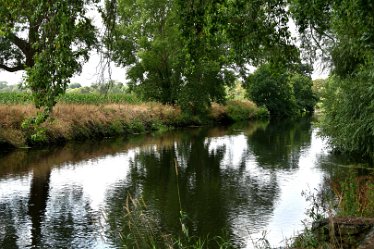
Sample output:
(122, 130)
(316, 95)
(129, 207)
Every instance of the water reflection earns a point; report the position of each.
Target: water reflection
(37, 204)
(235, 181)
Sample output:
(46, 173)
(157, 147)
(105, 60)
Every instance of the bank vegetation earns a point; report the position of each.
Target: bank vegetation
(74, 119)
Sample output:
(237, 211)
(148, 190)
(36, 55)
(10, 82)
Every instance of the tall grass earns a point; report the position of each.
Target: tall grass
(342, 217)
(93, 98)
(93, 115)
(355, 196)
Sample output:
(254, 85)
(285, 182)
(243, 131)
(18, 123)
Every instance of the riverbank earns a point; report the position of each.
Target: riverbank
(342, 212)
(81, 121)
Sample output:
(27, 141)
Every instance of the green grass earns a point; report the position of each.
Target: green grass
(350, 197)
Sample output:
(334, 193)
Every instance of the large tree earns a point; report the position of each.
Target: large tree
(48, 39)
(186, 51)
(147, 41)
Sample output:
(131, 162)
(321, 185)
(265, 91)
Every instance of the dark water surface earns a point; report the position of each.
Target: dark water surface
(239, 181)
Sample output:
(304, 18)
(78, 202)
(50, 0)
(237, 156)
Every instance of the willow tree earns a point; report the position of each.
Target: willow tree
(48, 39)
(146, 40)
(343, 33)
(185, 52)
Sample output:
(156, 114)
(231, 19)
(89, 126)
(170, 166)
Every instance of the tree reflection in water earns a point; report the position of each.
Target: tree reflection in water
(37, 204)
(230, 182)
(218, 194)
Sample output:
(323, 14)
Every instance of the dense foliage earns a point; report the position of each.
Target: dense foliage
(284, 93)
(49, 40)
(269, 87)
(185, 52)
(349, 108)
(92, 97)
(344, 31)
(176, 52)
(303, 91)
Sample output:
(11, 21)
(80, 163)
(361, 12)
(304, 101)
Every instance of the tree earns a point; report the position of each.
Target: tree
(48, 39)
(3, 84)
(186, 52)
(74, 85)
(231, 35)
(269, 86)
(305, 98)
(147, 41)
(319, 87)
(344, 30)
(284, 91)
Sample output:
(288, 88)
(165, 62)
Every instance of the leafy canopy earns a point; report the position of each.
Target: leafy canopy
(48, 39)
(344, 31)
(186, 52)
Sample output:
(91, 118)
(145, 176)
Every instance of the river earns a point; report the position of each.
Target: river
(243, 181)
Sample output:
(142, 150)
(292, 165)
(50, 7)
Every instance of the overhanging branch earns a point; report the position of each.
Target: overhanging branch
(20, 43)
(12, 69)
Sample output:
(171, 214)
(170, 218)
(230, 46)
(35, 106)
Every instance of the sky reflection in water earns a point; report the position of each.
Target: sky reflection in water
(241, 180)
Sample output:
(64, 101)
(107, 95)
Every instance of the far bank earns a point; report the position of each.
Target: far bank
(82, 121)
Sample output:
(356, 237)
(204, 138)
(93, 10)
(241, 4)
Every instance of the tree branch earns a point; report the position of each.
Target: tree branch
(23, 45)
(12, 69)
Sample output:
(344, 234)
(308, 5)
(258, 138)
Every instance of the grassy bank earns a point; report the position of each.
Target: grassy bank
(88, 116)
(342, 213)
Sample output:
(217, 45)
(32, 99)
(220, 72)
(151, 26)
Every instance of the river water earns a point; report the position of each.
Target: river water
(244, 182)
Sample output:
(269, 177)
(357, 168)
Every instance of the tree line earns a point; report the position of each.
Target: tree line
(186, 52)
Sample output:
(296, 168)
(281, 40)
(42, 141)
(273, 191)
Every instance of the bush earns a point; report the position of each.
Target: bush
(241, 110)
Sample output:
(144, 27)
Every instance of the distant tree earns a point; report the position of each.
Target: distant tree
(284, 91)
(118, 87)
(74, 85)
(3, 84)
(269, 86)
(236, 91)
(305, 98)
(319, 86)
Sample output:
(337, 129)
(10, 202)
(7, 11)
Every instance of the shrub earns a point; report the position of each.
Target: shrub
(241, 110)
